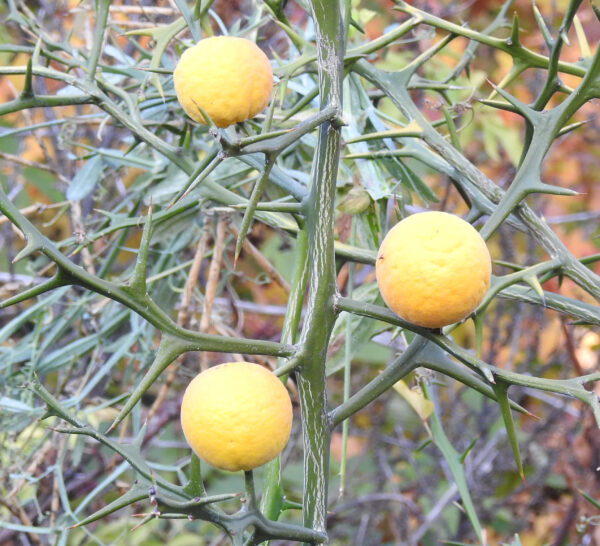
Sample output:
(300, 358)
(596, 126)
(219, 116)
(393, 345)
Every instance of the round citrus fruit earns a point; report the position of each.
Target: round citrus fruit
(433, 269)
(236, 416)
(229, 78)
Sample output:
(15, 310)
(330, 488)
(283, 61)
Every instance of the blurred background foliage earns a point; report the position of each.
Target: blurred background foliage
(92, 351)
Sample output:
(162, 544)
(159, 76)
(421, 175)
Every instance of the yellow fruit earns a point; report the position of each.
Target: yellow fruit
(229, 78)
(236, 416)
(433, 269)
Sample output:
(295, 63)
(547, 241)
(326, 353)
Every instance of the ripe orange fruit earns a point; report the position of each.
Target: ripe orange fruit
(236, 416)
(229, 78)
(433, 269)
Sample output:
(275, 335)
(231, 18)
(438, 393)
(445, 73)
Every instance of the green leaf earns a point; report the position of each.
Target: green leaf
(79, 347)
(14, 406)
(452, 457)
(409, 179)
(590, 499)
(162, 36)
(85, 180)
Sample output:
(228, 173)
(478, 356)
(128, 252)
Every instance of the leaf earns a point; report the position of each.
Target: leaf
(14, 406)
(355, 201)
(496, 135)
(590, 499)
(162, 35)
(369, 172)
(22, 318)
(455, 467)
(409, 179)
(80, 346)
(423, 407)
(85, 180)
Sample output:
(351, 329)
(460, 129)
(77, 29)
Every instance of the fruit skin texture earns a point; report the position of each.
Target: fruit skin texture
(229, 78)
(433, 269)
(236, 416)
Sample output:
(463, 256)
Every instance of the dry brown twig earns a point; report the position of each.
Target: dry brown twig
(28, 163)
(212, 282)
(22, 516)
(34, 209)
(262, 261)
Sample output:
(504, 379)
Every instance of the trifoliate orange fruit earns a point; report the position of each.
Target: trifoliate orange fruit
(433, 269)
(229, 78)
(236, 416)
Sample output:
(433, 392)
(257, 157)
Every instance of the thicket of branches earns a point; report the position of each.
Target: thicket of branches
(124, 220)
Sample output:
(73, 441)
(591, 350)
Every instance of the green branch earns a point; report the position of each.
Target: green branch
(142, 304)
(319, 210)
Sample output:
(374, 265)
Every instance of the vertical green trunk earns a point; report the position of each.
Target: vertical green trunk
(320, 316)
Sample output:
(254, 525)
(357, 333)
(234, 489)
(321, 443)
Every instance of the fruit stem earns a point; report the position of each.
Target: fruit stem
(250, 491)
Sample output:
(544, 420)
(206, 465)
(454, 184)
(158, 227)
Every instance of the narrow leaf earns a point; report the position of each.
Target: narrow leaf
(411, 181)
(417, 401)
(590, 499)
(85, 180)
(454, 465)
(468, 450)
(451, 129)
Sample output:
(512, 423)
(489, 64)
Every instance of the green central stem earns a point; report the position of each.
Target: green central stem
(320, 316)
